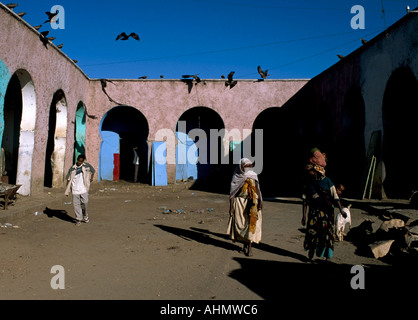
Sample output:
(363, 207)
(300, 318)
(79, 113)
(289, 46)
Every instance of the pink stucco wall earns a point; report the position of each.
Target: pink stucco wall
(162, 101)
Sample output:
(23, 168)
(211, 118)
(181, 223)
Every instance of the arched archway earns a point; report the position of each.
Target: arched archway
(130, 128)
(80, 131)
(400, 133)
(57, 136)
(282, 152)
(350, 152)
(19, 130)
(196, 125)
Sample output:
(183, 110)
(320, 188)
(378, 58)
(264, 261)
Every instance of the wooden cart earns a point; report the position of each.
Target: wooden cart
(8, 193)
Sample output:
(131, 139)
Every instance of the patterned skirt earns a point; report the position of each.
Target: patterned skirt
(319, 237)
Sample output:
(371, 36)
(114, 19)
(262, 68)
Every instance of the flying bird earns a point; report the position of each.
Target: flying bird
(340, 56)
(124, 36)
(231, 82)
(262, 73)
(50, 16)
(195, 76)
(89, 115)
(103, 83)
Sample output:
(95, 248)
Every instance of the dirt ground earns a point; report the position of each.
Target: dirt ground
(132, 250)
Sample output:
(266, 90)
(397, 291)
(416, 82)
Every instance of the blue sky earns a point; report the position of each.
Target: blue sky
(292, 39)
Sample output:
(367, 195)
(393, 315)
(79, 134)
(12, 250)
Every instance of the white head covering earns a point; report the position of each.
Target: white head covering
(240, 175)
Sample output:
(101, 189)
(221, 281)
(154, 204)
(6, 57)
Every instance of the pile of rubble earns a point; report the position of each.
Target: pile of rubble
(396, 234)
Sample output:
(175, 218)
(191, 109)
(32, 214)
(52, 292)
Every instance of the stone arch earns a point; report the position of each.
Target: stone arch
(19, 129)
(400, 133)
(56, 143)
(130, 127)
(282, 152)
(208, 143)
(350, 154)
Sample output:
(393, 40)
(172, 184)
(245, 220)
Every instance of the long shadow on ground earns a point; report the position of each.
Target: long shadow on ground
(60, 214)
(320, 281)
(325, 281)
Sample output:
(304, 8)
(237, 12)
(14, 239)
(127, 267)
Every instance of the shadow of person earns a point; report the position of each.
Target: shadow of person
(201, 237)
(260, 246)
(60, 214)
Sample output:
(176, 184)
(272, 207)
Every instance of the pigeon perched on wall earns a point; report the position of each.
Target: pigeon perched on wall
(11, 6)
(42, 37)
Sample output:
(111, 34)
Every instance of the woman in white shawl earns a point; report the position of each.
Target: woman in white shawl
(245, 207)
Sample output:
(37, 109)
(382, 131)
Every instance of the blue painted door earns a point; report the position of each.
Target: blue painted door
(159, 163)
(186, 157)
(109, 152)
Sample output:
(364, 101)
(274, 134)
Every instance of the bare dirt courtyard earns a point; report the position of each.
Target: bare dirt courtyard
(134, 248)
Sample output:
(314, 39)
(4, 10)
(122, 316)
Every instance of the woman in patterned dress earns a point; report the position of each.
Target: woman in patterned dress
(321, 196)
(245, 207)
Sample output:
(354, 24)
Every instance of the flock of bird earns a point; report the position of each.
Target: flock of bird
(124, 36)
(43, 36)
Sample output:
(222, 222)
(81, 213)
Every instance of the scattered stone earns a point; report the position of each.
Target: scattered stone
(393, 223)
(381, 248)
(414, 230)
(411, 240)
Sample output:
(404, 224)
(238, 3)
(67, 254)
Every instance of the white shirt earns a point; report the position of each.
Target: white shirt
(78, 186)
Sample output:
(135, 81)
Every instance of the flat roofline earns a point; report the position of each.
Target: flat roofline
(214, 80)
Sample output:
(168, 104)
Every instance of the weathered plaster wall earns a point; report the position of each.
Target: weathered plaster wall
(50, 70)
(162, 102)
(369, 69)
(42, 72)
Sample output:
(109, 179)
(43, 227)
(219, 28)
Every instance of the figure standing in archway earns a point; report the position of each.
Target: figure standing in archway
(136, 163)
